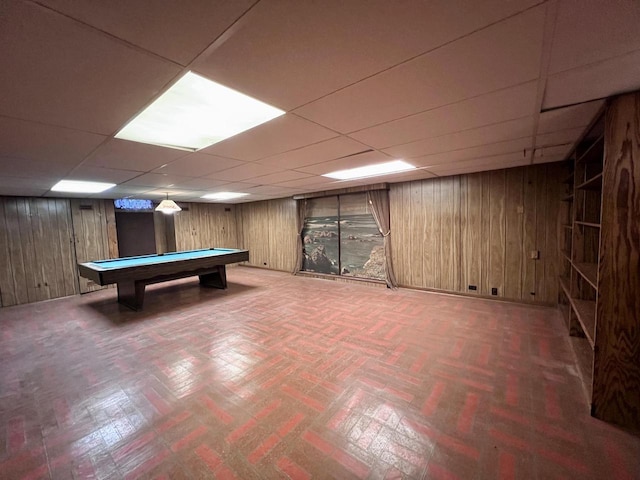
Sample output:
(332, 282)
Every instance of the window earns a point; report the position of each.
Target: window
(340, 237)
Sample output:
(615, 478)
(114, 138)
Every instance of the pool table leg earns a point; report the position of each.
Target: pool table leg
(131, 294)
(215, 279)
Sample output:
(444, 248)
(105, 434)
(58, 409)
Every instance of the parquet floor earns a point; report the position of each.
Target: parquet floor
(290, 377)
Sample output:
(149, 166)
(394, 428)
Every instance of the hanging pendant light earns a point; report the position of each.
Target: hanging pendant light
(168, 206)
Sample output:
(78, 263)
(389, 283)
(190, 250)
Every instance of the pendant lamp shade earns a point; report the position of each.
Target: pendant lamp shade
(168, 206)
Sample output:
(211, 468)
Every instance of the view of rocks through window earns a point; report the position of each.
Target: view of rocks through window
(340, 237)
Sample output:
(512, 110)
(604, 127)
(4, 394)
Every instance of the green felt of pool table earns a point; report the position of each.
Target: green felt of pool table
(159, 258)
(132, 274)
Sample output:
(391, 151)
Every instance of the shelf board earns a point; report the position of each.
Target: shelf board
(568, 198)
(586, 313)
(566, 253)
(589, 272)
(589, 151)
(594, 183)
(588, 224)
(567, 225)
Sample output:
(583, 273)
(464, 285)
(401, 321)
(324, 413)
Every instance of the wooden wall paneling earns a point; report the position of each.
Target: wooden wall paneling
(282, 234)
(473, 248)
(13, 283)
(28, 249)
(616, 380)
(67, 253)
(398, 242)
(514, 243)
(160, 232)
(529, 233)
(485, 233)
(90, 234)
(541, 234)
(409, 262)
(448, 238)
(497, 231)
(551, 254)
(43, 249)
(112, 233)
(415, 209)
(432, 236)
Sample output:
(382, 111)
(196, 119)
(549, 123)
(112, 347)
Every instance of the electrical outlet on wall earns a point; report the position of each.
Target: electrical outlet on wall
(494, 291)
(535, 254)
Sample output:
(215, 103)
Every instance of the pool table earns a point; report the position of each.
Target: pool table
(132, 274)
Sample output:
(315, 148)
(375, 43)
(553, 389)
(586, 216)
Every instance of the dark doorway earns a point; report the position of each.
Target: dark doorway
(136, 235)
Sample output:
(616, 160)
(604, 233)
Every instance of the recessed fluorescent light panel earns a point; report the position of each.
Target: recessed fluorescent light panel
(224, 195)
(386, 168)
(77, 186)
(195, 113)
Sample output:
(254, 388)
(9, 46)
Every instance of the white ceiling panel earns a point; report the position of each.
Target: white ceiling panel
(279, 135)
(245, 172)
(41, 183)
(276, 190)
(561, 137)
(352, 161)
(597, 80)
(98, 174)
(199, 183)
(574, 116)
(480, 164)
(122, 191)
(310, 182)
(507, 104)
(26, 190)
(591, 31)
(551, 153)
(319, 152)
(503, 55)
(157, 180)
(35, 141)
(511, 129)
(234, 187)
(69, 75)
(315, 48)
(125, 155)
(19, 167)
(174, 29)
(280, 177)
(484, 151)
(198, 164)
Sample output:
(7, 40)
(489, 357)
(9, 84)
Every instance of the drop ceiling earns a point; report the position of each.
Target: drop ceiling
(452, 87)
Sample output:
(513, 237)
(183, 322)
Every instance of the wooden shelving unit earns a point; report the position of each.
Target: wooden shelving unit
(599, 261)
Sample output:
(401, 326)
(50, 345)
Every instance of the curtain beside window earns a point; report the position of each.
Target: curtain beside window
(301, 206)
(379, 201)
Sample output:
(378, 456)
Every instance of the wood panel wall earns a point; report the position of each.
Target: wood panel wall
(480, 229)
(205, 225)
(94, 227)
(268, 230)
(36, 245)
(616, 376)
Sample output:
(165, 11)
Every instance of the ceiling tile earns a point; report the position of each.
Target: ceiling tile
(97, 85)
(352, 161)
(503, 55)
(18, 167)
(279, 135)
(588, 32)
(97, 174)
(244, 172)
(484, 151)
(511, 129)
(561, 137)
(271, 190)
(199, 184)
(280, 177)
(480, 164)
(157, 180)
(598, 80)
(507, 104)
(122, 191)
(35, 141)
(22, 191)
(175, 29)
(126, 155)
(318, 152)
(312, 181)
(198, 164)
(315, 48)
(568, 117)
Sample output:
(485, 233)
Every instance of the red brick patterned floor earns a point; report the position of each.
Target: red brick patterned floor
(290, 377)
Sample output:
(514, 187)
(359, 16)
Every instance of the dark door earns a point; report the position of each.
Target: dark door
(136, 235)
